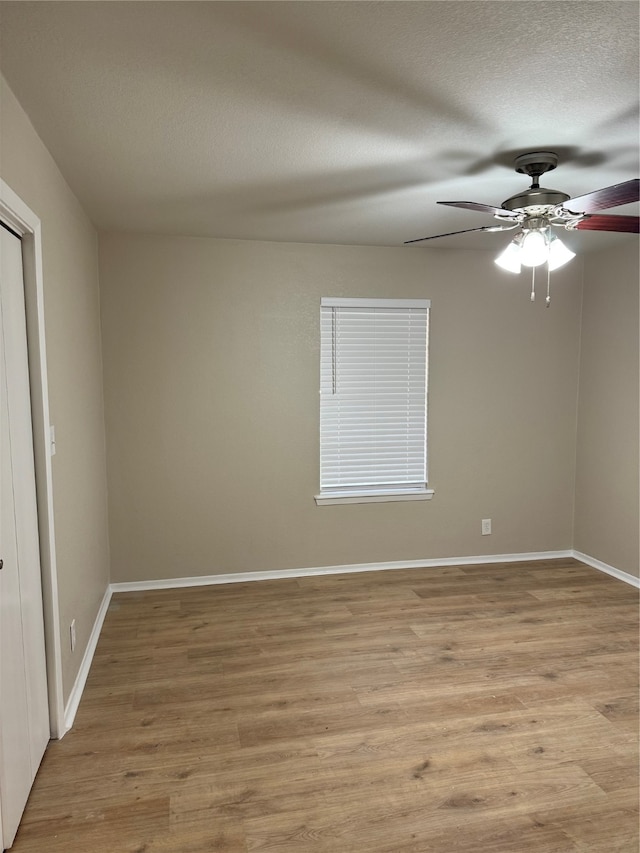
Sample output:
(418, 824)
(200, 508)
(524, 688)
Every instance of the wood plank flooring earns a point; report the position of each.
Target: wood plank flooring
(488, 709)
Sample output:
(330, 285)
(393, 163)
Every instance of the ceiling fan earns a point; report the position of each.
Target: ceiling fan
(537, 210)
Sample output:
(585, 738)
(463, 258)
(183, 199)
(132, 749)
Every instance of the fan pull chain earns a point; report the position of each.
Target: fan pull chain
(533, 284)
(548, 299)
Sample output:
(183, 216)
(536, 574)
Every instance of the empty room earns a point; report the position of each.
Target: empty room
(319, 517)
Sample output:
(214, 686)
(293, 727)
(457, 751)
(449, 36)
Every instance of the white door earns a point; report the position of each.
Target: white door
(24, 714)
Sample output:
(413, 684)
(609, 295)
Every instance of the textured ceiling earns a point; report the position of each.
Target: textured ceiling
(324, 122)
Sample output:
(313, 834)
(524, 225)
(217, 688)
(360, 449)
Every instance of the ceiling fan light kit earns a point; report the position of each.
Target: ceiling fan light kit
(536, 245)
(537, 210)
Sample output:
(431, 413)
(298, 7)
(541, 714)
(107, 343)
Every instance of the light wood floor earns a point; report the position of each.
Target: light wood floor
(488, 709)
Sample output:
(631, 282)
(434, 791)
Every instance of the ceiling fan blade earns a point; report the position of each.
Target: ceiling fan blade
(466, 231)
(482, 208)
(609, 223)
(613, 196)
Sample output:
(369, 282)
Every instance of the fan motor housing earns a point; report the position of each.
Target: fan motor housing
(536, 200)
(537, 197)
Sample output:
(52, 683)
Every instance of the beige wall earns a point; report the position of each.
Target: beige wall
(211, 396)
(69, 249)
(607, 512)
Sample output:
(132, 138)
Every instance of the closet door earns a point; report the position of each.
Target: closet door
(24, 716)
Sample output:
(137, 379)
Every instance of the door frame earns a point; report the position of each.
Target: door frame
(21, 219)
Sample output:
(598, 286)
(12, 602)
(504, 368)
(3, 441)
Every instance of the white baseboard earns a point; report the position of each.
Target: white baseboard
(281, 574)
(81, 679)
(609, 570)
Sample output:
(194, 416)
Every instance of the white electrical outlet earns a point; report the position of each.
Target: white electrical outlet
(486, 526)
(72, 634)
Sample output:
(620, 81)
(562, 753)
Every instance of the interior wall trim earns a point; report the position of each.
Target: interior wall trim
(281, 574)
(607, 569)
(81, 679)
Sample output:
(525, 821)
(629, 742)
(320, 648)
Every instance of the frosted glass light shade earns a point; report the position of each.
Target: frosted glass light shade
(534, 249)
(510, 259)
(559, 254)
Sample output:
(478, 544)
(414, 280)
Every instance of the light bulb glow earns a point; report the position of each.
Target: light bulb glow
(559, 254)
(510, 259)
(534, 249)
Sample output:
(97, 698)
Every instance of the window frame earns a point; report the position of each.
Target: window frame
(388, 492)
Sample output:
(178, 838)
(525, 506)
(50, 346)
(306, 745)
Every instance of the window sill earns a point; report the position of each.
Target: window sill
(328, 498)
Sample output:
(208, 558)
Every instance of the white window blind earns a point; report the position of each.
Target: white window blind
(373, 387)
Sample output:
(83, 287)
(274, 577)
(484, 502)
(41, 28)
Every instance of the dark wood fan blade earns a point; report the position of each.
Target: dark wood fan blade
(609, 223)
(466, 231)
(614, 196)
(483, 208)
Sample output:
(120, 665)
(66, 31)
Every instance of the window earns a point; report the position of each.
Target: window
(373, 400)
